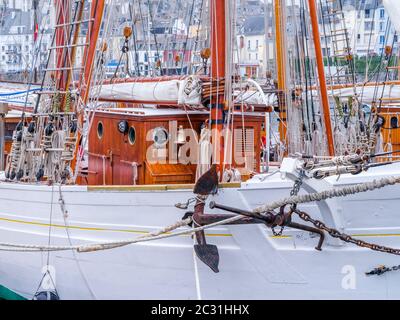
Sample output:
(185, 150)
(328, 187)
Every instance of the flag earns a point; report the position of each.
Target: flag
(35, 21)
(36, 32)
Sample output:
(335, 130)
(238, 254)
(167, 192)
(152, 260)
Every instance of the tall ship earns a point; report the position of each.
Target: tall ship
(166, 186)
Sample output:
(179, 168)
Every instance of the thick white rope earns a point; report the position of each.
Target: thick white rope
(159, 235)
(329, 194)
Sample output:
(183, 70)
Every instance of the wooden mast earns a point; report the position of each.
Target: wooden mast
(280, 67)
(66, 42)
(218, 72)
(63, 9)
(321, 77)
(96, 17)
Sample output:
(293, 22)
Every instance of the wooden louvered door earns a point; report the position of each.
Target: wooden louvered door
(245, 153)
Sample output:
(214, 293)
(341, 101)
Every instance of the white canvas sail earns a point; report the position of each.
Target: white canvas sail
(187, 91)
(393, 9)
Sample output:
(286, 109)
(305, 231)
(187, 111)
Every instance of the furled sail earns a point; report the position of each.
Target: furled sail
(393, 9)
(186, 91)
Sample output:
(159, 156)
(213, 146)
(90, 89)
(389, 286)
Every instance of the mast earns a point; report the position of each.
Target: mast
(267, 37)
(280, 67)
(218, 72)
(79, 7)
(67, 34)
(63, 9)
(321, 77)
(96, 16)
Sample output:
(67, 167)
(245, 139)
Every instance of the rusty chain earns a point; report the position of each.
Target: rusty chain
(295, 191)
(331, 231)
(345, 237)
(382, 270)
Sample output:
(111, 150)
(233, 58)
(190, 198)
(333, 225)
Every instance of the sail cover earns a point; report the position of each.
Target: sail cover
(393, 9)
(180, 92)
(369, 94)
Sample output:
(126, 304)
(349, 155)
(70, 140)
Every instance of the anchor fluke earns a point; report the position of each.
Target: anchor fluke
(209, 255)
(207, 183)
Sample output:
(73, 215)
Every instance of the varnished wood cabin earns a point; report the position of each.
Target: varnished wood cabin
(118, 145)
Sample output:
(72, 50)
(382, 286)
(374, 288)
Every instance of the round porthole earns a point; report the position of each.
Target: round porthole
(160, 137)
(132, 135)
(394, 122)
(100, 130)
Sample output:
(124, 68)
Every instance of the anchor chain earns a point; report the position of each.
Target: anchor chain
(381, 270)
(331, 231)
(294, 192)
(345, 237)
(297, 186)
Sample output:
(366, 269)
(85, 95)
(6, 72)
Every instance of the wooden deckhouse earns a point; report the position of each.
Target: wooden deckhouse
(122, 141)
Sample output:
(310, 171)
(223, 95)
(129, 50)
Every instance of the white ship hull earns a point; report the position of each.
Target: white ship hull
(253, 264)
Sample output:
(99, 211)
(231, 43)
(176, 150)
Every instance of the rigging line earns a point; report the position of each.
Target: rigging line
(303, 74)
(307, 62)
(387, 75)
(99, 80)
(101, 76)
(47, 63)
(133, 19)
(369, 60)
(69, 50)
(144, 37)
(350, 62)
(50, 224)
(381, 60)
(196, 42)
(67, 230)
(69, 54)
(175, 30)
(35, 57)
(298, 65)
(187, 37)
(326, 38)
(154, 33)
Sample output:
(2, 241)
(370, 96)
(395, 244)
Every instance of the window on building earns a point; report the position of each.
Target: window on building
(249, 56)
(382, 39)
(249, 44)
(381, 26)
(369, 26)
(382, 13)
(257, 44)
(367, 13)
